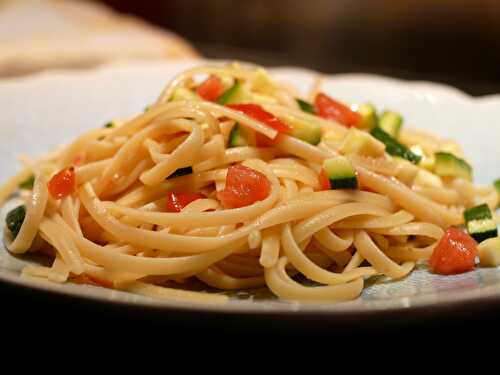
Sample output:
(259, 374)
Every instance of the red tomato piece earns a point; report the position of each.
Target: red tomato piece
(324, 182)
(63, 183)
(244, 186)
(260, 114)
(455, 253)
(91, 280)
(262, 141)
(177, 201)
(331, 109)
(211, 88)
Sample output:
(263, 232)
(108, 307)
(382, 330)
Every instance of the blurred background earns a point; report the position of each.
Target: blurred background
(451, 41)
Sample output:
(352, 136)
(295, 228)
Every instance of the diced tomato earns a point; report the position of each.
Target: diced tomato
(324, 182)
(62, 184)
(91, 280)
(455, 253)
(211, 88)
(244, 186)
(177, 201)
(260, 114)
(331, 109)
(262, 141)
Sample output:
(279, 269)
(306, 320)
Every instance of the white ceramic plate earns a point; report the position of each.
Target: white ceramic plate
(40, 112)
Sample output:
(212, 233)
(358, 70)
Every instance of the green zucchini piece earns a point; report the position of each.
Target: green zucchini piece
(181, 172)
(237, 137)
(447, 164)
(340, 173)
(15, 219)
(28, 183)
(480, 223)
(306, 106)
(369, 116)
(235, 94)
(307, 131)
(391, 123)
(393, 147)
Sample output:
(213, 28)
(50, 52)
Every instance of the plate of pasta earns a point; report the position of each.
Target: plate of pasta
(225, 186)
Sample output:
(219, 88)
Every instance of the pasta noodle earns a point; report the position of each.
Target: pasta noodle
(148, 210)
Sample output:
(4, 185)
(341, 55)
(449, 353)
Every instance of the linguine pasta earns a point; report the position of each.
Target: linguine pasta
(114, 229)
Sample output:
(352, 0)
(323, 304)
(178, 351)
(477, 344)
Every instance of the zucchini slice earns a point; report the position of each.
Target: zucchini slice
(181, 172)
(15, 219)
(237, 136)
(340, 173)
(480, 223)
(391, 122)
(369, 116)
(306, 106)
(447, 164)
(393, 147)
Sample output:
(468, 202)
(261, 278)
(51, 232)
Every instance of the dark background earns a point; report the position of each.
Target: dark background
(450, 41)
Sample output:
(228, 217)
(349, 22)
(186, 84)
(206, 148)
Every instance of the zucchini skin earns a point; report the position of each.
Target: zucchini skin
(14, 219)
(393, 147)
(480, 223)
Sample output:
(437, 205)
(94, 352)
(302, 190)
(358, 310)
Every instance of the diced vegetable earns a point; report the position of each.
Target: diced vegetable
(28, 183)
(324, 182)
(258, 113)
(110, 124)
(210, 89)
(489, 252)
(331, 109)
(480, 223)
(361, 143)
(451, 147)
(244, 186)
(182, 93)
(429, 179)
(15, 219)
(235, 94)
(369, 117)
(181, 172)
(340, 173)
(91, 280)
(455, 253)
(147, 108)
(497, 185)
(308, 131)
(238, 136)
(393, 147)
(306, 106)
(262, 82)
(177, 201)
(62, 184)
(450, 165)
(391, 123)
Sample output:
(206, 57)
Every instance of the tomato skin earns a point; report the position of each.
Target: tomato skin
(62, 184)
(262, 141)
(331, 109)
(324, 182)
(455, 253)
(260, 114)
(91, 280)
(244, 186)
(177, 201)
(210, 89)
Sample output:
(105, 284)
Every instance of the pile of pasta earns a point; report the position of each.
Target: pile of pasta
(113, 228)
